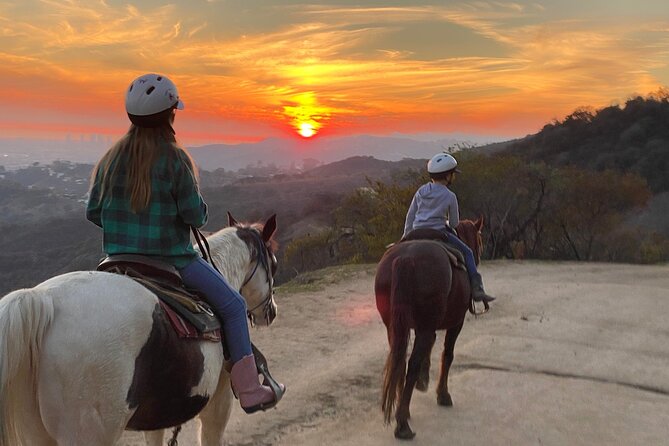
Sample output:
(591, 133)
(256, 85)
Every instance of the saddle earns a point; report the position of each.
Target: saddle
(454, 254)
(189, 314)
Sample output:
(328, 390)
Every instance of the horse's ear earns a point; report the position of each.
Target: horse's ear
(231, 220)
(269, 228)
(479, 223)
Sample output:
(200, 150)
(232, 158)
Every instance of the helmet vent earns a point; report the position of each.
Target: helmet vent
(159, 78)
(131, 85)
(150, 90)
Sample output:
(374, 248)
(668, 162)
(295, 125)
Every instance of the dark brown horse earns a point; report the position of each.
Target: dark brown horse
(417, 288)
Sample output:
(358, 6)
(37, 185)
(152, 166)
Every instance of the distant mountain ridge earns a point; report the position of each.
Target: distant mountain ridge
(364, 165)
(282, 152)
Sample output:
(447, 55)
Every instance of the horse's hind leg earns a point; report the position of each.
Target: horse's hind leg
(424, 377)
(86, 427)
(443, 397)
(421, 348)
(24, 406)
(214, 417)
(154, 438)
(75, 434)
(76, 417)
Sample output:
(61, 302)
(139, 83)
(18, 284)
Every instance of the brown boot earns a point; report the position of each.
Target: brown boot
(252, 395)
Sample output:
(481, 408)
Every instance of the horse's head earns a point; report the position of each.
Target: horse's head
(470, 233)
(258, 285)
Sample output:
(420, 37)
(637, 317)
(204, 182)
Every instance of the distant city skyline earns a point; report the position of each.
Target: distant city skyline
(251, 70)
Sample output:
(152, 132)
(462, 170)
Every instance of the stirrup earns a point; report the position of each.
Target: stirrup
(474, 311)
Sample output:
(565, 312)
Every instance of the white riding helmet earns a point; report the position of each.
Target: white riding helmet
(148, 96)
(442, 162)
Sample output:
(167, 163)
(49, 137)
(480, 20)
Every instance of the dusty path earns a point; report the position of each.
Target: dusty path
(571, 353)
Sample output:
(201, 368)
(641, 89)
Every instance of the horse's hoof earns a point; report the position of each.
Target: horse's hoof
(403, 431)
(422, 385)
(445, 400)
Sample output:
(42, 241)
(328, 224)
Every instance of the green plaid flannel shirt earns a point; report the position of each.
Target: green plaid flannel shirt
(162, 230)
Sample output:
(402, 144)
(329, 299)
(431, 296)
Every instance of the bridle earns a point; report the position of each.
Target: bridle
(264, 257)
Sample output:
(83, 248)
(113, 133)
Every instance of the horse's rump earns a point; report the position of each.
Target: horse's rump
(440, 293)
(455, 255)
(158, 379)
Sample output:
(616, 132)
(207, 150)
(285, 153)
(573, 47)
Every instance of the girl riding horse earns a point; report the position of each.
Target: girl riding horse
(145, 197)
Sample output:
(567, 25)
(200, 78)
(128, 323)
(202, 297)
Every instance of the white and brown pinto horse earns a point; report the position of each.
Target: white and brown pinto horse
(86, 355)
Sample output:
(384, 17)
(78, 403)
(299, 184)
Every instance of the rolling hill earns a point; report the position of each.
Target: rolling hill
(629, 138)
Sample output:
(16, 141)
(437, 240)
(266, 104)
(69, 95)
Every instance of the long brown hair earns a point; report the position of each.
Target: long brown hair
(139, 149)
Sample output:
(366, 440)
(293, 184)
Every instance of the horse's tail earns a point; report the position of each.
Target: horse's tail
(24, 318)
(395, 368)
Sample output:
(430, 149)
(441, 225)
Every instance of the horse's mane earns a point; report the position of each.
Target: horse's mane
(237, 256)
(469, 232)
(273, 244)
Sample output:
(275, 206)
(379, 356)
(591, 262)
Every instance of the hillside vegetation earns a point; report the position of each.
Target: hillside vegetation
(581, 189)
(43, 231)
(631, 138)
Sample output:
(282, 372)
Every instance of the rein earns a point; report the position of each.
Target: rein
(204, 247)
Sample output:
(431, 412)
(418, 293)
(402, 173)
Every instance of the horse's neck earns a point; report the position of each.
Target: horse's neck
(231, 255)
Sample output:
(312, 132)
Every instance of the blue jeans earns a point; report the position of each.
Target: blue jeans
(228, 305)
(470, 263)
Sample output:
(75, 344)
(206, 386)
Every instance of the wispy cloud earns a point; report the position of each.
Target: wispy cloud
(344, 60)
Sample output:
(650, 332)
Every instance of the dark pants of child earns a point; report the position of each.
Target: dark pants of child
(475, 278)
(470, 262)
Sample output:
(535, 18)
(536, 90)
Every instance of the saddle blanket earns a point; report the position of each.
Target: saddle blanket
(455, 256)
(185, 329)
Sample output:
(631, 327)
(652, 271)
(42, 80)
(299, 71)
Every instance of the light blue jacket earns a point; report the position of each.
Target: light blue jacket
(433, 206)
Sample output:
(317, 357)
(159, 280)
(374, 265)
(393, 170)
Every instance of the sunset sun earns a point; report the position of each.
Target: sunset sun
(307, 130)
(305, 115)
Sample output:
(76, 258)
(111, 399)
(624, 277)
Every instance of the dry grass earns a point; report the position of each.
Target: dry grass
(320, 279)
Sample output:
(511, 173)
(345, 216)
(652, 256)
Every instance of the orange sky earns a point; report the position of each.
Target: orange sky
(248, 70)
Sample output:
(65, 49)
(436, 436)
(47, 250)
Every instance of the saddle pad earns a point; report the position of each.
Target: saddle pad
(185, 329)
(202, 319)
(456, 257)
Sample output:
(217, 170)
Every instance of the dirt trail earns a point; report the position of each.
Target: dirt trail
(570, 354)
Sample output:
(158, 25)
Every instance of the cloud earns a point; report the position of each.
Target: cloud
(506, 60)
